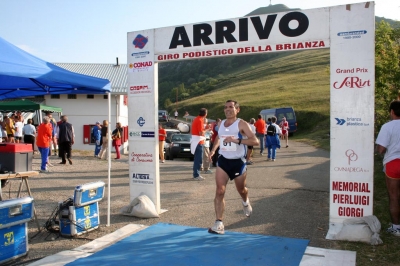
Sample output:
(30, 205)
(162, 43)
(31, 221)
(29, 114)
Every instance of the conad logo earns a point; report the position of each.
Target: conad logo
(141, 64)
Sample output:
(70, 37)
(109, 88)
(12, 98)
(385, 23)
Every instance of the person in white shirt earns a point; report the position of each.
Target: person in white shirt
(29, 132)
(272, 141)
(388, 144)
(18, 129)
(231, 162)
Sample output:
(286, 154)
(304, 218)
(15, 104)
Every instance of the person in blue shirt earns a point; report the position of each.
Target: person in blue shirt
(96, 134)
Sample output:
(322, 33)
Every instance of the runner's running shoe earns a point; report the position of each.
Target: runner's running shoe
(218, 228)
(247, 209)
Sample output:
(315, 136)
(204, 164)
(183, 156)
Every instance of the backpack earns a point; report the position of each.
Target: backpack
(271, 130)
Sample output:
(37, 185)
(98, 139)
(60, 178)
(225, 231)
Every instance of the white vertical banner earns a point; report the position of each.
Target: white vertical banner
(143, 119)
(352, 71)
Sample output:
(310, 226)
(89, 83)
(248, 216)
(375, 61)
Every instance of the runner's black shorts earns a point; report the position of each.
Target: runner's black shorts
(232, 167)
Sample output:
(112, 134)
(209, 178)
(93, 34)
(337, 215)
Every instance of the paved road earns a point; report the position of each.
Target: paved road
(290, 197)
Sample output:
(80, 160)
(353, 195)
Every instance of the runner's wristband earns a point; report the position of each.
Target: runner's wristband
(240, 141)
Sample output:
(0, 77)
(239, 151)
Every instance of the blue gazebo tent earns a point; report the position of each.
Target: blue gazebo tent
(22, 75)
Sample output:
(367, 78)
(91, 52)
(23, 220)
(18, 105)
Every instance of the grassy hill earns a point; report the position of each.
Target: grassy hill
(298, 79)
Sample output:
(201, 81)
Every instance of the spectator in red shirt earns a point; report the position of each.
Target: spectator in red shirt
(43, 140)
(260, 132)
(162, 134)
(197, 143)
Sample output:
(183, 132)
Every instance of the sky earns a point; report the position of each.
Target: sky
(95, 31)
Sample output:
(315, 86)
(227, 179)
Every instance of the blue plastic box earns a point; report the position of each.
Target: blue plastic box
(79, 220)
(88, 193)
(13, 242)
(16, 211)
(14, 215)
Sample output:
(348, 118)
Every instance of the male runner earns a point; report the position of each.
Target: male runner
(234, 135)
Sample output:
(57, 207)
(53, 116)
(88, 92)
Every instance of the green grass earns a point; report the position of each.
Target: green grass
(300, 80)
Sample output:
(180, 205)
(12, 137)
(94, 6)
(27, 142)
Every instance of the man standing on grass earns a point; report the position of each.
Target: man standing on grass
(388, 144)
(197, 143)
(234, 135)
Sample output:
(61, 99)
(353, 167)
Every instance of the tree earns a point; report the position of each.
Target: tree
(167, 103)
(387, 70)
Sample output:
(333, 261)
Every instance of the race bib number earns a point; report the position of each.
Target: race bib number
(227, 146)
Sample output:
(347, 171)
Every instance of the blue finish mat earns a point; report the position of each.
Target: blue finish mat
(169, 244)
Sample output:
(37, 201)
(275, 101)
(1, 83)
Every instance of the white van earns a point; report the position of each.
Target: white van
(279, 113)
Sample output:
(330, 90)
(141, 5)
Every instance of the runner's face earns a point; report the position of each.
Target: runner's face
(230, 110)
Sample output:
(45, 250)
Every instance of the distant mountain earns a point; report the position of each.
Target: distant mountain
(392, 23)
(283, 8)
(271, 9)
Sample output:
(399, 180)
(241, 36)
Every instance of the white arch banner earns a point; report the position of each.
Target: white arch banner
(348, 30)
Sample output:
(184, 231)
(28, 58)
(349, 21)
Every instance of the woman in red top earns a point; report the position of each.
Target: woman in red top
(284, 125)
(161, 141)
(43, 140)
(116, 136)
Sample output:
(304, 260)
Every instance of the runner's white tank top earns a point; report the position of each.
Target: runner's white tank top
(231, 150)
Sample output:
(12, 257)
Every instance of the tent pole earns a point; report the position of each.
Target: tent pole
(109, 159)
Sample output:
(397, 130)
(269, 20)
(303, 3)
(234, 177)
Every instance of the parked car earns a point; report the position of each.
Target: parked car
(170, 132)
(163, 116)
(279, 113)
(179, 147)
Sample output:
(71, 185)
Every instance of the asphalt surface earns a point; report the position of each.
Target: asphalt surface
(290, 197)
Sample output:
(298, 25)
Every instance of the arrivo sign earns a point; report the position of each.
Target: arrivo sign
(224, 30)
(257, 34)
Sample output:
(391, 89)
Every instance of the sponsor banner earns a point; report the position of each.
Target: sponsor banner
(349, 199)
(141, 66)
(141, 117)
(136, 90)
(242, 50)
(352, 84)
(359, 86)
(141, 46)
(140, 51)
(143, 156)
(142, 103)
(286, 31)
(142, 178)
(346, 121)
(351, 163)
(141, 134)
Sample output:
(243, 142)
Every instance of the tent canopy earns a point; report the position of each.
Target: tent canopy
(27, 106)
(22, 75)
